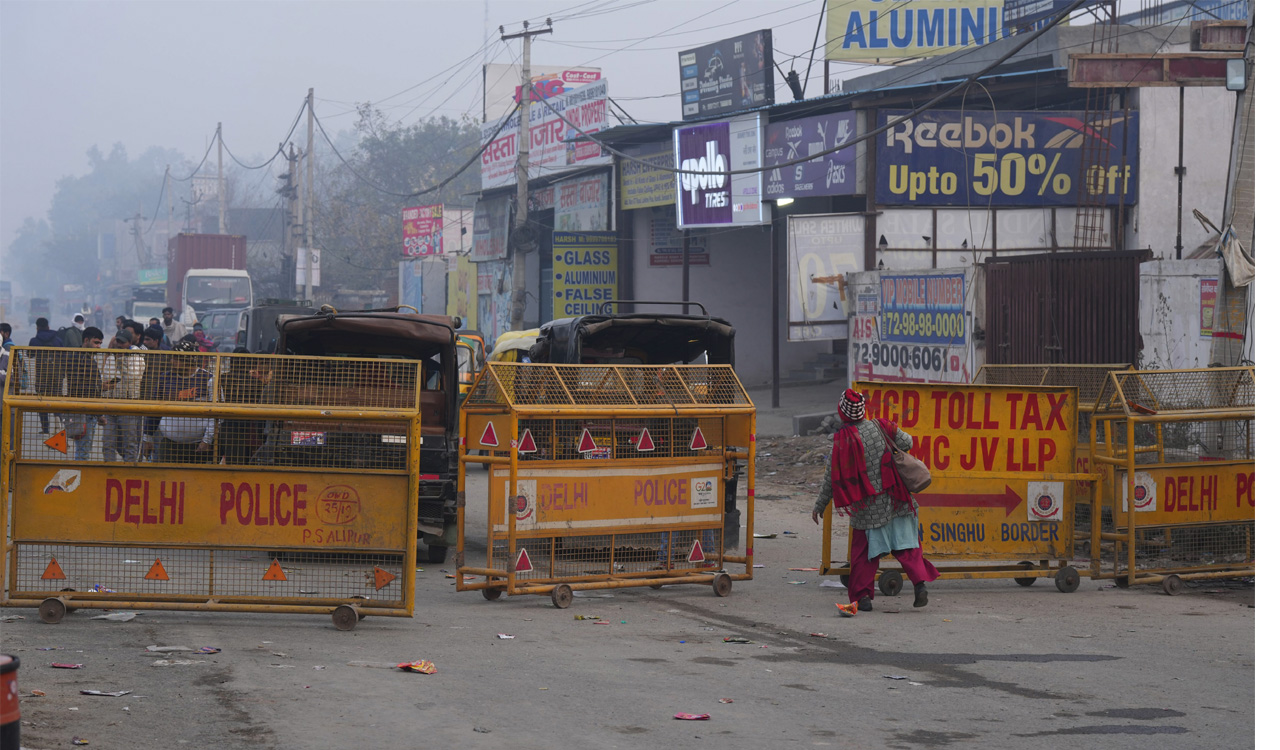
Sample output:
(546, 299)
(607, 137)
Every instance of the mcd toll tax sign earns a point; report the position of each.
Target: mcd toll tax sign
(1001, 458)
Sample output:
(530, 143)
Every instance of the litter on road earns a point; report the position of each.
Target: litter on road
(830, 584)
(113, 694)
(692, 717)
(175, 662)
(166, 649)
(422, 666)
(505, 637)
(59, 665)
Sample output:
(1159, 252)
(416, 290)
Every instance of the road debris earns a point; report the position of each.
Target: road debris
(166, 649)
(113, 694)
(422, 666)
(505, 637)
(734, 639)
(692, 717)
(116, 616)
(60, 665)
(176, 662)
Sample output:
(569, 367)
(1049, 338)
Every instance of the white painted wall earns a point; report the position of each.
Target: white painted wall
(1208, 113)
(1169, 313)
(734, 287)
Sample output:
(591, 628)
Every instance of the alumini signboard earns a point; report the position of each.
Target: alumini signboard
(706, 196)
(892, 29)
(728, 76)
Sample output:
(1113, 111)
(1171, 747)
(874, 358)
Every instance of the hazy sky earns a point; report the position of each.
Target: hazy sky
(79, 74)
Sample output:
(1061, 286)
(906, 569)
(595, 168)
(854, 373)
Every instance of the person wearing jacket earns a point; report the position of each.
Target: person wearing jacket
(865, 486)
(122, 379)
(48, 366)
(182, 440)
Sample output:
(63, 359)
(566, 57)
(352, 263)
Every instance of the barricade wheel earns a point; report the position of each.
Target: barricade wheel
(562, 596)
(844, 580)
(1172, 585)
(1067, 579)
(345, 617)
(436, 553)
(1122, 582)
(722, 584)
(52, 611)
(491, 595)
(890, 583)
(1025, 581)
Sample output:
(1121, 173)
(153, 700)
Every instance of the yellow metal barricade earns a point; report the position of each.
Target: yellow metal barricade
(1089, 380)
(1002, 461)
(1179, 447)
(185, 481)
(607, 476)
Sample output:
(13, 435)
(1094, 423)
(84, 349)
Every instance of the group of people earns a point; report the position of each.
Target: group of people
(79, 365)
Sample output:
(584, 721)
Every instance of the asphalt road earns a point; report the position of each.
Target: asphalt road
(987, 664)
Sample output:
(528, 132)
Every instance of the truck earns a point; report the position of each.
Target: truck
(145, 302)
(207, 271)
(385, 334)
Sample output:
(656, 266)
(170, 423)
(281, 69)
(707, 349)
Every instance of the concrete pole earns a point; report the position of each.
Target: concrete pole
(222, 199)
(311, 160)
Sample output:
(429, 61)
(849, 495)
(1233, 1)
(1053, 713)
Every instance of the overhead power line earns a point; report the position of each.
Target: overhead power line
(853, 141)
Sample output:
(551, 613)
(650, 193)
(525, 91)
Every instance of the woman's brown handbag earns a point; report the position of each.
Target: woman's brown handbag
(914, 474)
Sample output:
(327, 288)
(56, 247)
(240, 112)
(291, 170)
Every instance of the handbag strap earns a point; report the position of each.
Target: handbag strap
(892, 448)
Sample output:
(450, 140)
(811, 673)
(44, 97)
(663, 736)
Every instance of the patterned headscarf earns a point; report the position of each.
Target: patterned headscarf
(852, 406)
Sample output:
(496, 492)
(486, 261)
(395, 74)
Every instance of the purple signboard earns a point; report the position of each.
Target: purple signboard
(704, 198)
(833, 174)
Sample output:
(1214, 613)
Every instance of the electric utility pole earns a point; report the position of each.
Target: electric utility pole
(222, 199)
(522, 175)
(311, 160)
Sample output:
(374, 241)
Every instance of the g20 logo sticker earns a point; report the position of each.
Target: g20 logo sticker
(338, 505)
(1044, 501)
(704, 493)
(1144, 491)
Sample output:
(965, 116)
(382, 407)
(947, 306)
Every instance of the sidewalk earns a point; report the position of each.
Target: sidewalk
(805, 399)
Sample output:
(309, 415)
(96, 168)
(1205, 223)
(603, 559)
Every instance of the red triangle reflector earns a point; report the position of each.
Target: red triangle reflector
(275, 572)
(585, 443)
(527, 445)
(58, 441)
(381, 578)
(53, 571)
(523, 563)
(490, 436)
(695, 554)
(699, 442)
(157, 572)
(645, 443)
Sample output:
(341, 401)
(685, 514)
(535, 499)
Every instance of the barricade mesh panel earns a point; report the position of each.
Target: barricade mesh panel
(310, 576)
(515, 385)
(240, 379)
(560, 439)
(1089, 379)
(207, 441)
(1147, 392)
(611, 555)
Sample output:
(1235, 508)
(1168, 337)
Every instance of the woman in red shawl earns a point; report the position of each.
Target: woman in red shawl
(882, 514)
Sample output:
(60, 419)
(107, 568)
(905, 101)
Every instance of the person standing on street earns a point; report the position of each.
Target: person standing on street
(48, 366)
(84, 380)
(173, 328)
(122, 379)
(866, 487)
(73, 337)
(6, 336)
(184, 440)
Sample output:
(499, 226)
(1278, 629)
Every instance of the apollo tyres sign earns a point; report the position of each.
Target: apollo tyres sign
(707, 196)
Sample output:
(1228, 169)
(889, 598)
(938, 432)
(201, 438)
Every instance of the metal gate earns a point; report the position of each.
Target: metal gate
(607, 476)
(184, 481)
(1063, 307)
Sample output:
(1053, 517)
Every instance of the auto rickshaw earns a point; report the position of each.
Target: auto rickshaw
(471, 359)
(513, 346)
